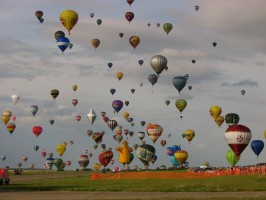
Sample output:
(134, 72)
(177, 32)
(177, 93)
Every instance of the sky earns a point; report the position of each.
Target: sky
(31, 65)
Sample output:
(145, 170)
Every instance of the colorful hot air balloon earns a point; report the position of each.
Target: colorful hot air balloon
(112, 124)
(158, 63)
(69, 18)
(134, 41)
(54, 93)
(257, 146)
(58, 163)
(39, 15)
(117, 105)
(129, 16)
(91, 116)
(179, 82)
(105, 157)
(37, 130)
(95, 43)
(231, 119)
(167, 27)
(238, 137)
(11, 127)
(189, 135)
(219, 120)
(62, 43)
(125, 115)
(154, 131)
(83, 161)
(97, 137)
(145, 153)
(215, 111)
(15, 98)
(34, 109)
(119, 75)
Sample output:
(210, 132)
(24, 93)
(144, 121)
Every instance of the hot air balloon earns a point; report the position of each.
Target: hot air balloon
(39, 15)
(34, 109)
(3, 157)
(58, 163)
(141, 135)
(117, 105)
(6, 115)
(167, 27)
(231, 157)
(61, 149)
(31, 165)
(124, 153)
(145, 153)
(11, 127)
(163, 142)
(130, 2)
(214, 44)
(36, 147)
(132, 91)
(126, 103)
(153, 78)
(91, 116)
(140, 62)
(110, 65)
(121, 35)
(142, 123)
(14, 118)
(105, 157)
(51, 121)
(196, 7)
(189, 87)
(25, 158)
(112, 124)
(54, 93)
(89, 132)
(97, 137)
(158, 25)
(119, 75)
(37, 130)
(219, 120)
(118, 130)
(63, 43)
(238, 137)
(69, 18)
(74, 88)
(125, 115)
(15, 98)
(129, 16)
(179, 82)
(99, 21)
(257, 146)
(215, 111)
(49, 162)
(43, 154)
(83, 161)
(68, 163)
(167, 102)
(70, 45)
(158, 63)
(112, 91)
(181, 156)
(74, 102)
(181, 104)
(154, 131)
(134, 41)
(91, 15)
(243, 92)
(189, 135)
(95, 42)
(78, 118)
(131, 133)
(193, 61)
(59, 34)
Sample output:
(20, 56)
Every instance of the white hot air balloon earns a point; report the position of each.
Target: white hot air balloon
(15, 98)
(91, 116)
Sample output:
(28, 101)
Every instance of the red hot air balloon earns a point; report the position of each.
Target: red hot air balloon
(130, 2)
(129, 16)
(37, 130)
(105, 157)
(43, 154)
(238, 137)
(74, 102)
(78, 118)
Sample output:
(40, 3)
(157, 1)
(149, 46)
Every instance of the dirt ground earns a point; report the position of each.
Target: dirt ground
(66, 195)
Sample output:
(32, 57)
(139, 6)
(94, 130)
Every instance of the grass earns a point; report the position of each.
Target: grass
(81, 181)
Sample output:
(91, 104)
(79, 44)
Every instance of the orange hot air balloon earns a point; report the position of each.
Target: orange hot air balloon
(215, 111)
(125, 115)
(134, 41)
(181, 156)
(119, 75)
(95, 43)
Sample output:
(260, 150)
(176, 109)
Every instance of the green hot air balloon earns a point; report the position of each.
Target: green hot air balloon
(231, 157)
(167, 27)
(58, 163)
(231, 119)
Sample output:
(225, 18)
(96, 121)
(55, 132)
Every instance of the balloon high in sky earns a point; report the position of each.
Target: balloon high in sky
(76, 79)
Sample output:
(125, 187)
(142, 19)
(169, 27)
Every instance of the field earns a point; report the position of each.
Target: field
(78, 185)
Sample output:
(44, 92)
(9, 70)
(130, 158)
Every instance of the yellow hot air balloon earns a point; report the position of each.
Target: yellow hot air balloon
(96, 166)
(265, 134)
(181, 156)
(74, 88)
(219, 120)
(119, 75)
(189, 135)
(134, 41)
(6, 115)
(125, 115)
(215, 111)
(95, 43)
(69, 18)
(60, 149)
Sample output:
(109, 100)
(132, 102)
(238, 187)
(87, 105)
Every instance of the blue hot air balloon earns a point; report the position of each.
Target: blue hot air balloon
(179, 82)
(117, 105)
(110, 65)
(257, 146)
(112, 91)
(62, 43)
(153, 78)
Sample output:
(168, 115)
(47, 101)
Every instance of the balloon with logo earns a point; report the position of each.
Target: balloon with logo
(83, 161)
(49, 162)
(215, 111)
(69, 18)
(154, 131)
(145, 153)
(231, 157)
(237, 137)
(37, 130)
(105, 157)
(61, 149)
(181, 156)
(257, 146)
(189, 135)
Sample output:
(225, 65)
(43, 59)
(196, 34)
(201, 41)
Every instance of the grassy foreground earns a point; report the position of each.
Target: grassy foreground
(82, 182)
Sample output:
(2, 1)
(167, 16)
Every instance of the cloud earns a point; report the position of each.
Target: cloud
(245, 83)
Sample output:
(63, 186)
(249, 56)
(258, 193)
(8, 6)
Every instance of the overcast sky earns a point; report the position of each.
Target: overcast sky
(31, 65)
